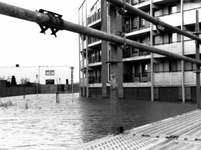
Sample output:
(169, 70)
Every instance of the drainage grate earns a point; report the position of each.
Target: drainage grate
(182, 132)
(177, 145)
(122, 142)
(172, 127)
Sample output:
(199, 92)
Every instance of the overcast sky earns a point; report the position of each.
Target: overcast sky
(21, 43)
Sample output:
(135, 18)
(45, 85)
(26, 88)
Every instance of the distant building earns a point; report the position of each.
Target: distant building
(143, 75)
(42, 75)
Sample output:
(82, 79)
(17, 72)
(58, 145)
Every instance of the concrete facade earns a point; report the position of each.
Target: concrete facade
(142, 71)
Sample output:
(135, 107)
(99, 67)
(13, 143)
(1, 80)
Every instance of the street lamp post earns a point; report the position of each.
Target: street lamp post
(37, 84)
(72, 79)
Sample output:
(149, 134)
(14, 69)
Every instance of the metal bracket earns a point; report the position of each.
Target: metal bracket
(159, 28)
(118, 9)
(122, 46)
(55, 22)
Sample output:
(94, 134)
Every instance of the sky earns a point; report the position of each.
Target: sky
(22, 43)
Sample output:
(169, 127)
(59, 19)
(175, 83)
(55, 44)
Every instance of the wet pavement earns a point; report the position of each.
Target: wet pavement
(38, 122)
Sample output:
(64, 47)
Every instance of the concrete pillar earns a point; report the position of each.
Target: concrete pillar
(115, 85)
(104, 49)
(116, 51)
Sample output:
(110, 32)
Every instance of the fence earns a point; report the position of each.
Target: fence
(20, 90)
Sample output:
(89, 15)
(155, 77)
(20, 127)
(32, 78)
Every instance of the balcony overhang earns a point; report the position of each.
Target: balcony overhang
(96, 24)
(95, 64)
(143, 5)
(138, 33)
(95, 44)
(140, 58)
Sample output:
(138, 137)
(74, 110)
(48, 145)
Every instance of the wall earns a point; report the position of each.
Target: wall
(14, 91)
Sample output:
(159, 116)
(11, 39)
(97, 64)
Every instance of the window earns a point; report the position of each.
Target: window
(173, 66)
(157, 40)
(52, 72)
(135, 23)
(144, 69)
(126, 26)
(134, 2)
(47, 72)
(156, 13)
(172, 9)
(172, 37)
(156, 67)
(135, 52)
(109, 72)
(99, 13)
(137, 70)
(142, 22)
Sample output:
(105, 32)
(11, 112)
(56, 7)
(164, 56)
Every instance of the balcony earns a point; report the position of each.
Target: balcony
(94, 80)
(171, 47)
(95, 58)
(137, 77)
(162, 2)
(83, 82)
(189, 16)
(139, 32)
(168, 78)
(94, 20)
(143, 4)
(131, 54)
(96, 24)
(176, 47)
(189, 47)
(83, 64)
(94, 43)
(172, 19)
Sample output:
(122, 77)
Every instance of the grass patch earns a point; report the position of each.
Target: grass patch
(6, 104)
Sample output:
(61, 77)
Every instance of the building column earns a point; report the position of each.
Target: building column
(197, 45)
(104, 49)
(116, 51)
(83, 76)
(115, 87)
(182, 48)
(80, 49)
(152, 55)
(87, 58)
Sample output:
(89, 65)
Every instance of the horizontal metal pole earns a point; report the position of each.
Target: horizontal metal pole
(151, 19)
(37, 17)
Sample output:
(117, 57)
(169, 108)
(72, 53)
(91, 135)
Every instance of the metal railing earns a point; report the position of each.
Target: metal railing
(137, 77)
(93, 80)
(42, 18)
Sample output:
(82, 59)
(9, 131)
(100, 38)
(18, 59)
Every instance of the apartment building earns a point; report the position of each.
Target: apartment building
(142, 75)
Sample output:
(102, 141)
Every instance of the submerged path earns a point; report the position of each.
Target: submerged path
(180, 132)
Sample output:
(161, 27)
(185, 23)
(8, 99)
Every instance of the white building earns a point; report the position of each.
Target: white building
(41, 74)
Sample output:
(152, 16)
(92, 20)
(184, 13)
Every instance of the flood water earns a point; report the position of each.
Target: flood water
(38, 122)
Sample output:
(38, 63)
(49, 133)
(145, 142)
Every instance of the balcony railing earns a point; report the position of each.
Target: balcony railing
(94, 17)
(95, 59)
(92, 40)
(137, 77)
(135, 2)
(93, 80)
(132, 52)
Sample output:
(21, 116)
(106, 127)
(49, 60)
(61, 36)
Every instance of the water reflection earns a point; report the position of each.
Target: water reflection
(50, 125)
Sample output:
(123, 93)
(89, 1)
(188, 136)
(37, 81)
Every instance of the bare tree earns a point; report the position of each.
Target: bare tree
(2, 78)
(25, 80)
